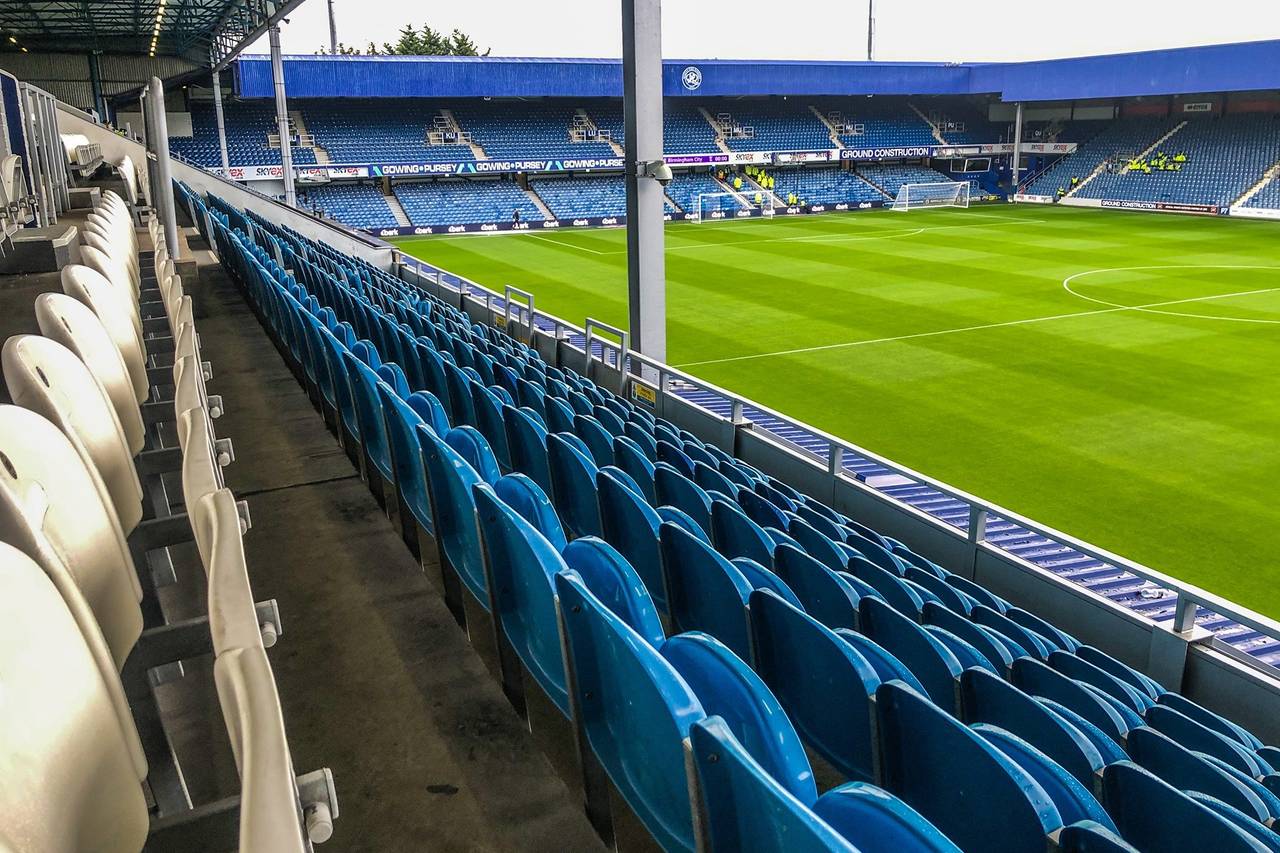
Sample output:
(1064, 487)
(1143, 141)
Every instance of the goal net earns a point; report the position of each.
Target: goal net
(941, 194)
(715, 207)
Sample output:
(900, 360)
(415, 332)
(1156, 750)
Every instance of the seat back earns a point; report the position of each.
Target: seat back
(46, 377)
(971, 791)
(631, 525)
(69, 778)
(705, 591)
(927, 658)
(51, 507)
(812, 670)
(233, 619)
(1154, 815)
(521, 563)
(364, 381)
(450, 479)
(672, 488)
(615, 583)
(573, 487)
(95, 291)
(735, 535)
(825, 596)
(402, 424)
(270, 814)
(74, 325)
(634, 711)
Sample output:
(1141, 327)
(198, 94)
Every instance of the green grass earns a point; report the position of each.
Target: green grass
(952, 346)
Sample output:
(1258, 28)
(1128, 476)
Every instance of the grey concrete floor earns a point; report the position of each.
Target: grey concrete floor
(377, 680)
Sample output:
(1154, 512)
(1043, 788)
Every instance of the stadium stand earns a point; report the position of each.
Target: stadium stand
(397, 130)
(1224, 157)
(773, 598)
(1268, 197)
(876, 122)
(1123, 137)
(446, 202)
(571, 197)
(248, 127)
(825, 185)
(686, 188)
(685, 130)
(771, 125)
(357, 205)
(891, 177)
(529, 129)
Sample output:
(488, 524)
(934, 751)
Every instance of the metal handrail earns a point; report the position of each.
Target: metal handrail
(1188, 596)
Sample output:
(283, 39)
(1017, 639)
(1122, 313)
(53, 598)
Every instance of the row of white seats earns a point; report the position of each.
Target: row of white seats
(83, 455)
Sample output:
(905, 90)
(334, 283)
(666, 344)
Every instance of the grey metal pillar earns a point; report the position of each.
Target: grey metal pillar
(222, 125)
(642, 108)
(95, 83)
(282, 117)
(148, 143)
(333, 31)
(1016, 156)
(871, 28)
(163, 184)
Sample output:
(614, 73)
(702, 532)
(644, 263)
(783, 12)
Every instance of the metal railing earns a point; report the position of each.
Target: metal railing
(673, 382)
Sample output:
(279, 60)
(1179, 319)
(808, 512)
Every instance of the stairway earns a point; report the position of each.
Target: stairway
(1101, 167)
(539, 203)
(751, 186)
(671, 201)
(740, 195)
(589, 123)
(831, 128)
(711, 120)
(397, 210)
(476, 150)
(937, 134)
(322, 156)
(871, 184)
(1267, 177)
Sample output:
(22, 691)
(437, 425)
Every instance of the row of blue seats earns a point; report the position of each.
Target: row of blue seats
(718, 548)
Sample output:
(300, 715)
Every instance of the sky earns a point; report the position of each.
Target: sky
(932, 30)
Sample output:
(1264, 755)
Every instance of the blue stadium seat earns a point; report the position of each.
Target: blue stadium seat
(573, 487)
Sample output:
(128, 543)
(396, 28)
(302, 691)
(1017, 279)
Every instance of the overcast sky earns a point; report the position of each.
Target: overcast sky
(937, 30)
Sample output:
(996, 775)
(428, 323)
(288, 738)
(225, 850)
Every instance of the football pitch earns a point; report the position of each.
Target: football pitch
(1113, 375)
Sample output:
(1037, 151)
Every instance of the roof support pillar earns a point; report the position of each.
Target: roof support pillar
(148, 143)
(642, 111)
(162, 186)
(222, 124)
(282, 117)
(1015, 159)
(95, 82)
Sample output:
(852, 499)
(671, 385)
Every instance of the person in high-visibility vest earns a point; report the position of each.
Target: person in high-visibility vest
(759, 199)
(737, 182)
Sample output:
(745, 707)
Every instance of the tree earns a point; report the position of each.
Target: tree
(416, 42)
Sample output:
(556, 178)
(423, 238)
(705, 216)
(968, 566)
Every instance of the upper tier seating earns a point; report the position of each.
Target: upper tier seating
(826, 185)
(569, 519)
(878, 122)
(248, 125)
(1225, 156)
(685, 130)
(527, 129)
(357, 205)
(1121, 137)
(383, 131)
(87, 761)
(772, 125)
(445, 202)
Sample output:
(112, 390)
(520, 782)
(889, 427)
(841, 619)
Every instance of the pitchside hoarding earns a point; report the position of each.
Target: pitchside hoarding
(717, 158)
(611, 221)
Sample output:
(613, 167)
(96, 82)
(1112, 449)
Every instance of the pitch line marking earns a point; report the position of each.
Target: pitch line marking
(551, 239)
(1153, 309)
(1028, 321)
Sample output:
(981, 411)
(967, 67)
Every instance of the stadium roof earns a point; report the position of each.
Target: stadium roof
(204, 31)
(1246, 66)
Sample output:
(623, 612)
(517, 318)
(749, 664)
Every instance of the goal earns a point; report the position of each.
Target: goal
(716, 207)
(941, 194)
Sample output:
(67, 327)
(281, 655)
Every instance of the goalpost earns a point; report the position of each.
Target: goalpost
(941, 194)
(716, 207)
